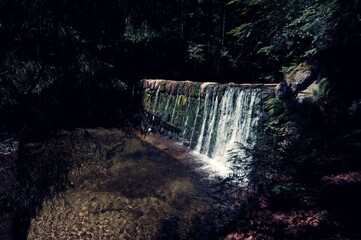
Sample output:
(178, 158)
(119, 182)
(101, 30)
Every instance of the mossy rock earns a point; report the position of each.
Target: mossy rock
(301, 77)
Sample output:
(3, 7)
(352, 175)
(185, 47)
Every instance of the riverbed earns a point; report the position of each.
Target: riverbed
(139, 187)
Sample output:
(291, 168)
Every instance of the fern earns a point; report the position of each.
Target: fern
(265, 50)
(324, 90)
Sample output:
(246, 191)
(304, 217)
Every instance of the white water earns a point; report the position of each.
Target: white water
(186, 122)
(156, 100)
(175, 107)
(227, 126)
(195, 119)
(167, 106)
(211, 126)
(224, 121)
(205, 115)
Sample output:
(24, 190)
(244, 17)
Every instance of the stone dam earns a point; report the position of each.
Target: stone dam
(215, 120)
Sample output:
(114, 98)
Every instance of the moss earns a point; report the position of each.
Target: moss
(304, 67)
(147, 99)
(182, 101)
(194, 91)
(192, 109)
(161, 104)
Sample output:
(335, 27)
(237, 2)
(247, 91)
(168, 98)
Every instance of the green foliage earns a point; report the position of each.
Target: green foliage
(265, 50)
(23, 77)
(324, 90)
(196, 52)
(280, 118)
(282, 147)
(314, 25)
(51, 50)
(285, 31)
(119, 84)
(141, 34)
(291, 66)
(287, 188)
(242, 32)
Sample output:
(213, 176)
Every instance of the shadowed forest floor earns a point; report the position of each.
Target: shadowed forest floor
(322, 203)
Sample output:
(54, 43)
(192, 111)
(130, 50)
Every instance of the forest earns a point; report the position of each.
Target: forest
(71, 96)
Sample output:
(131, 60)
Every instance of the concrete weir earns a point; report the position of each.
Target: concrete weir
(212, 119)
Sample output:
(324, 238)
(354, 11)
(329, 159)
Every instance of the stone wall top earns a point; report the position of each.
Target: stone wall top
(171, 85)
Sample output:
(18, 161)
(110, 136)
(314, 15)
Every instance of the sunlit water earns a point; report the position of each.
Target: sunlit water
(212, 167)
(142, 193)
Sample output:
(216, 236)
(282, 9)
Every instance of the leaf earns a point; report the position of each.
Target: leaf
(242, 31)
(196, 52)
(138, 34)
(119, 84)
(265, 50)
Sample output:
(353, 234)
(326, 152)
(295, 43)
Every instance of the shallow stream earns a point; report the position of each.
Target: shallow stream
(134, 191)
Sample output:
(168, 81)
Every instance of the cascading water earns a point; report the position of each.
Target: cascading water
(204, 124)
(156, 101)
(174, 108)
(230, 129)
(186, 122)
(195, 120)
(211, 126)
(166, 107)
(213, 119)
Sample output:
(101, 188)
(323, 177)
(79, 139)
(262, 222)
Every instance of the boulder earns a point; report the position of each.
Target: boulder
(311, 93)
(300, 78)
(282, 90)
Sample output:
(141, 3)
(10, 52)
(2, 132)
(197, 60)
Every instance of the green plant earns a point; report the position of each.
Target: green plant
(138, 34)
(324, 90)
(279, 116)
(196, 52)
(119, 84)
(287, 188)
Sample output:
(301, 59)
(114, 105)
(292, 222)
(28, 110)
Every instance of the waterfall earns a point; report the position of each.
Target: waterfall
(211, 125)
(166, 107)
(205, 115)
(186, 122)
(227, 126)
(156, 100)
(175, 107)
(235, 121)
(195, 120)
(212, 119)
